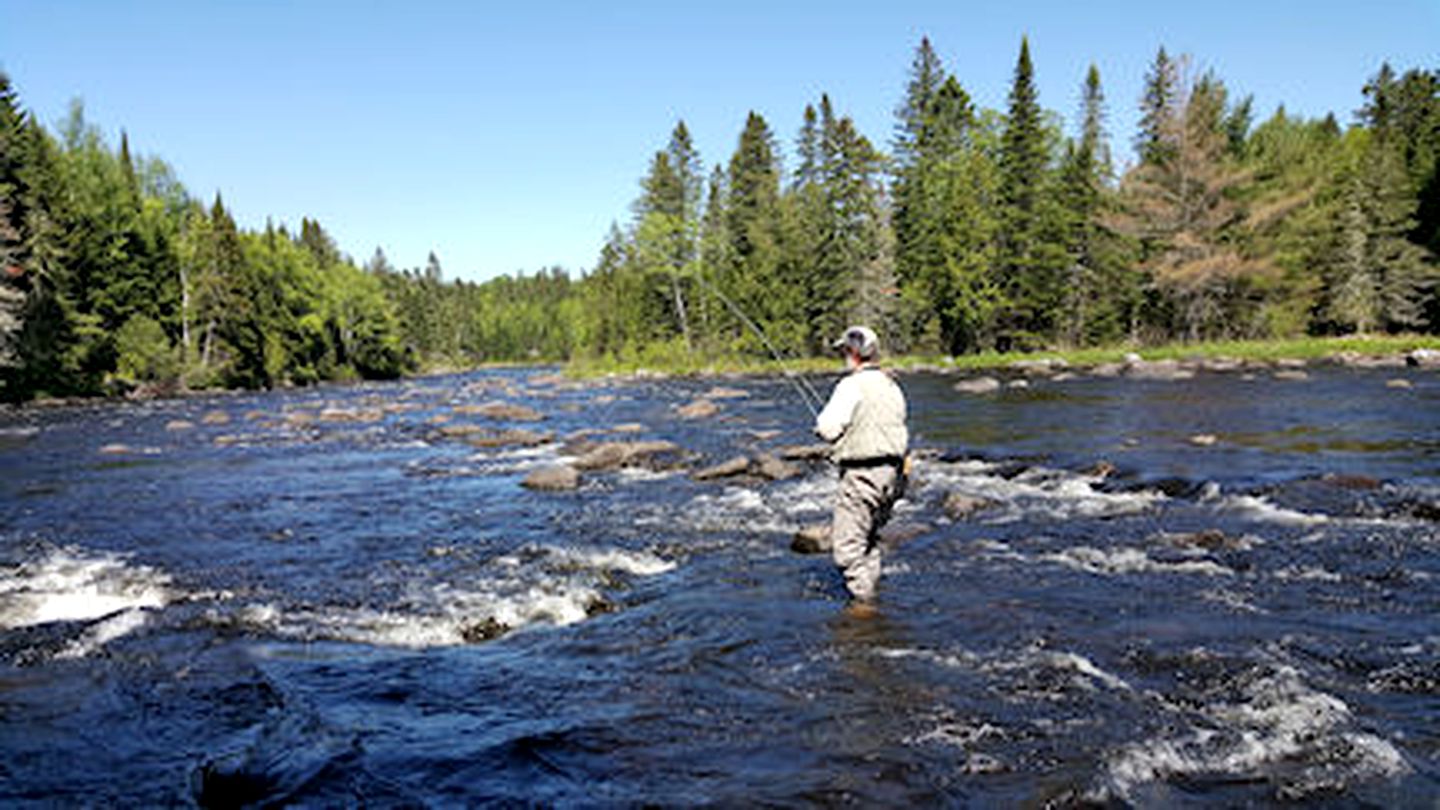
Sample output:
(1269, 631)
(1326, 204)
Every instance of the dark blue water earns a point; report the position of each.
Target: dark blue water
(321, 598)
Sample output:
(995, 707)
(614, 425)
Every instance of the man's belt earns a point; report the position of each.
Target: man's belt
(877, 461)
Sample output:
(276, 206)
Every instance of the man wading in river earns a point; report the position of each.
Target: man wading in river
(865, 420)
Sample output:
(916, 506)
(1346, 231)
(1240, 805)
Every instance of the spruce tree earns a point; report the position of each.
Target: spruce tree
(12, 220)
(1099, 293)
(758, 279)
(1153, 142)
(1031, 250)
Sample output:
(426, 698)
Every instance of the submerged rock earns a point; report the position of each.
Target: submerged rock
(1348, 481)
(556, 478)
(1292, 374)
(216, 418)
(1209, 540)
(699, 409)
(178, 425)
(513, 437)
(487, 629)
(959, 506)
(894, 534)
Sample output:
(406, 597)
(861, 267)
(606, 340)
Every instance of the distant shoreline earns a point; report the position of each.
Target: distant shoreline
(1376, 351)
(1382, 350)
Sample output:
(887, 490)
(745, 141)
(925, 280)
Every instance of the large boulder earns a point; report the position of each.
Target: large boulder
(555, 478)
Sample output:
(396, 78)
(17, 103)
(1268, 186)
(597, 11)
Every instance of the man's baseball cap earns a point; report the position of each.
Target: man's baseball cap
(861, 339)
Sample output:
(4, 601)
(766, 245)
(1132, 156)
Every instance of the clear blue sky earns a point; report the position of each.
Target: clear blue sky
(507, 137)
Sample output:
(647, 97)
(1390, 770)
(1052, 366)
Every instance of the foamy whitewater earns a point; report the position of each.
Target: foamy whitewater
(329, 597)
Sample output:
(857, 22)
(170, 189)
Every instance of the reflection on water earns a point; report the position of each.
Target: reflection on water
(343, 595)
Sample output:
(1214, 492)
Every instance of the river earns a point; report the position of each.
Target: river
(1219, 591)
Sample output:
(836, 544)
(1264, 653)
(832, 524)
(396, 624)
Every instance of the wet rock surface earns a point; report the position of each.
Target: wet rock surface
(554, 478)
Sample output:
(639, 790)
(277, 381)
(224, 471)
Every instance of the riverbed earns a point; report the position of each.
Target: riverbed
(1214, 591)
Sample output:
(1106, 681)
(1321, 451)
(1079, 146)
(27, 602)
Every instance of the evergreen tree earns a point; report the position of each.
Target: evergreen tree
(1153, 143)
(667, 225)
(1100, 295)
(1031, 250)
(12, 219)
(838, 243)
(1376, 278)
(1404, 114)
(913, 116)
(756, 278)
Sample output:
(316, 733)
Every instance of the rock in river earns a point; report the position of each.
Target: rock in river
(504, 411)
(555, 478)
(725, 469)
(978, 385)
(959, 506)
(811, 539)
(699, 409)
(610, 455)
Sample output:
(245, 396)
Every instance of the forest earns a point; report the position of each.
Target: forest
(972, 230)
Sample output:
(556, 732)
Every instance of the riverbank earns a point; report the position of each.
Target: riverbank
(1382, 349)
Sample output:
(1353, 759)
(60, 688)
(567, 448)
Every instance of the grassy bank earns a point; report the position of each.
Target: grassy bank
(1252, 350)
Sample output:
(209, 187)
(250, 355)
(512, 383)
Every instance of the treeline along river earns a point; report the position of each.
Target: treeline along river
(1219, 590)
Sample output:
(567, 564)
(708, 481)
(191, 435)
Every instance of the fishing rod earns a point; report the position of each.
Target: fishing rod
(812, 399)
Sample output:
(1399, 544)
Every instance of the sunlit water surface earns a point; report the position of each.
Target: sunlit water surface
(318, 597)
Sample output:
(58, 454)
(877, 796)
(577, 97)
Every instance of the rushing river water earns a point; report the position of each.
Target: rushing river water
(325, 597)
